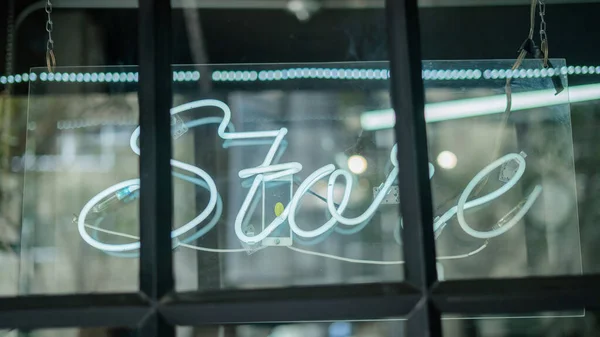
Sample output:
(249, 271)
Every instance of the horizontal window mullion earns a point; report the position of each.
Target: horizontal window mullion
(525, 295)
(323, 303)
(107, 310)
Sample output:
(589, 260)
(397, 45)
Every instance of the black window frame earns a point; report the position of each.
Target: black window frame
(157, 308)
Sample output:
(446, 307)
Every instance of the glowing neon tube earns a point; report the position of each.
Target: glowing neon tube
(270, 170)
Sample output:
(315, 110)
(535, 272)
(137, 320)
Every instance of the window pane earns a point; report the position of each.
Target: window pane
(283, 187)
(62, 142)
(79, 185)
(504, 193)
(557, 235)
(321, 329)
(260, 209)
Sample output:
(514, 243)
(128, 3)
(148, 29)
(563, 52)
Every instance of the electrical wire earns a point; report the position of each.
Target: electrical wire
(125, 235)
(345, 259)
(376, 262)
(299, 250)
(214, 250)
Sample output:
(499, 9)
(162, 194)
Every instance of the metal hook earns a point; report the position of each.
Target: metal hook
(50, 60)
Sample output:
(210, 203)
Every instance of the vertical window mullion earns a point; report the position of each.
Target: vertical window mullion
(408, 101)
(156, 197)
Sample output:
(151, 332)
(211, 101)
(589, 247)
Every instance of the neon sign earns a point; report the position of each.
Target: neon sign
(271, 170)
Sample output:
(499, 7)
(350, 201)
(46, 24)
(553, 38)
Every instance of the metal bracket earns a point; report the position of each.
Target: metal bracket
(391, 198)
(178, 127)
(509, 169)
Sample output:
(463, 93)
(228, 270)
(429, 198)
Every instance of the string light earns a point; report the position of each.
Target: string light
(372, 74)
(109, 77)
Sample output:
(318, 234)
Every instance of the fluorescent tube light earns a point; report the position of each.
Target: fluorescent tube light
(480, 106)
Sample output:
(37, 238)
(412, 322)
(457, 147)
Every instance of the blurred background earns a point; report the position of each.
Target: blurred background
(65, 139)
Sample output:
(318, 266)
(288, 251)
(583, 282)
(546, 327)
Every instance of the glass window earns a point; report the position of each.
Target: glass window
(286, 180)
(80, 181)
(504, 189)
(553, 135)
(62, 134)
(277, 179)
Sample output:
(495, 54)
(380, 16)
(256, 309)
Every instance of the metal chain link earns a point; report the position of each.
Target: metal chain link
(543, 34)
(50, 58)
(542, 9)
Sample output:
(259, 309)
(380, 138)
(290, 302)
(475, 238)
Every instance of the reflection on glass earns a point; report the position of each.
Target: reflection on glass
(321, 329)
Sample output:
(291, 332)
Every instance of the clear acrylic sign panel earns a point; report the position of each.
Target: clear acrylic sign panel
(284, 175)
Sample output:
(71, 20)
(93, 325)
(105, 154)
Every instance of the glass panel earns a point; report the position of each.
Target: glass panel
(80, 188)
(539, 247)
(232, 216)
(504, 189)
(309, 329)
(77, 187)
(264, 155)
(309, 114)
(59, 143)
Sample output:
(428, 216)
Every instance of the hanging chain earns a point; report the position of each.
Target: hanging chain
(50, 58)
(543, 35)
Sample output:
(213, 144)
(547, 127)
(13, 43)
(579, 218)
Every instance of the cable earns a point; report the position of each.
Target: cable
(462, 256)
(213, 250)
(299, 250)
(336, 229)
(133, 185)
(127, 255)
(125, 235)
(376, 262)
(311, 192)
(345, 259)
